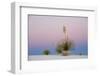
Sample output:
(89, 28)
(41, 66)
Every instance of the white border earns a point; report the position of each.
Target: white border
(19, 38)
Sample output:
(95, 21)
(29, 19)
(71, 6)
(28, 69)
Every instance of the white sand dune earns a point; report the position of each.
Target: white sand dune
(51, 57)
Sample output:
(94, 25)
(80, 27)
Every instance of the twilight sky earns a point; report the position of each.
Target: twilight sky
(44, 32)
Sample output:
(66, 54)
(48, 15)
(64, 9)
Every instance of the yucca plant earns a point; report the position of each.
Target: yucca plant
(59, 49)
(67, 45)
(46, 52)
(64, 46)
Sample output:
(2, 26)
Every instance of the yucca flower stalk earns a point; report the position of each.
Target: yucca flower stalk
(65, 33)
